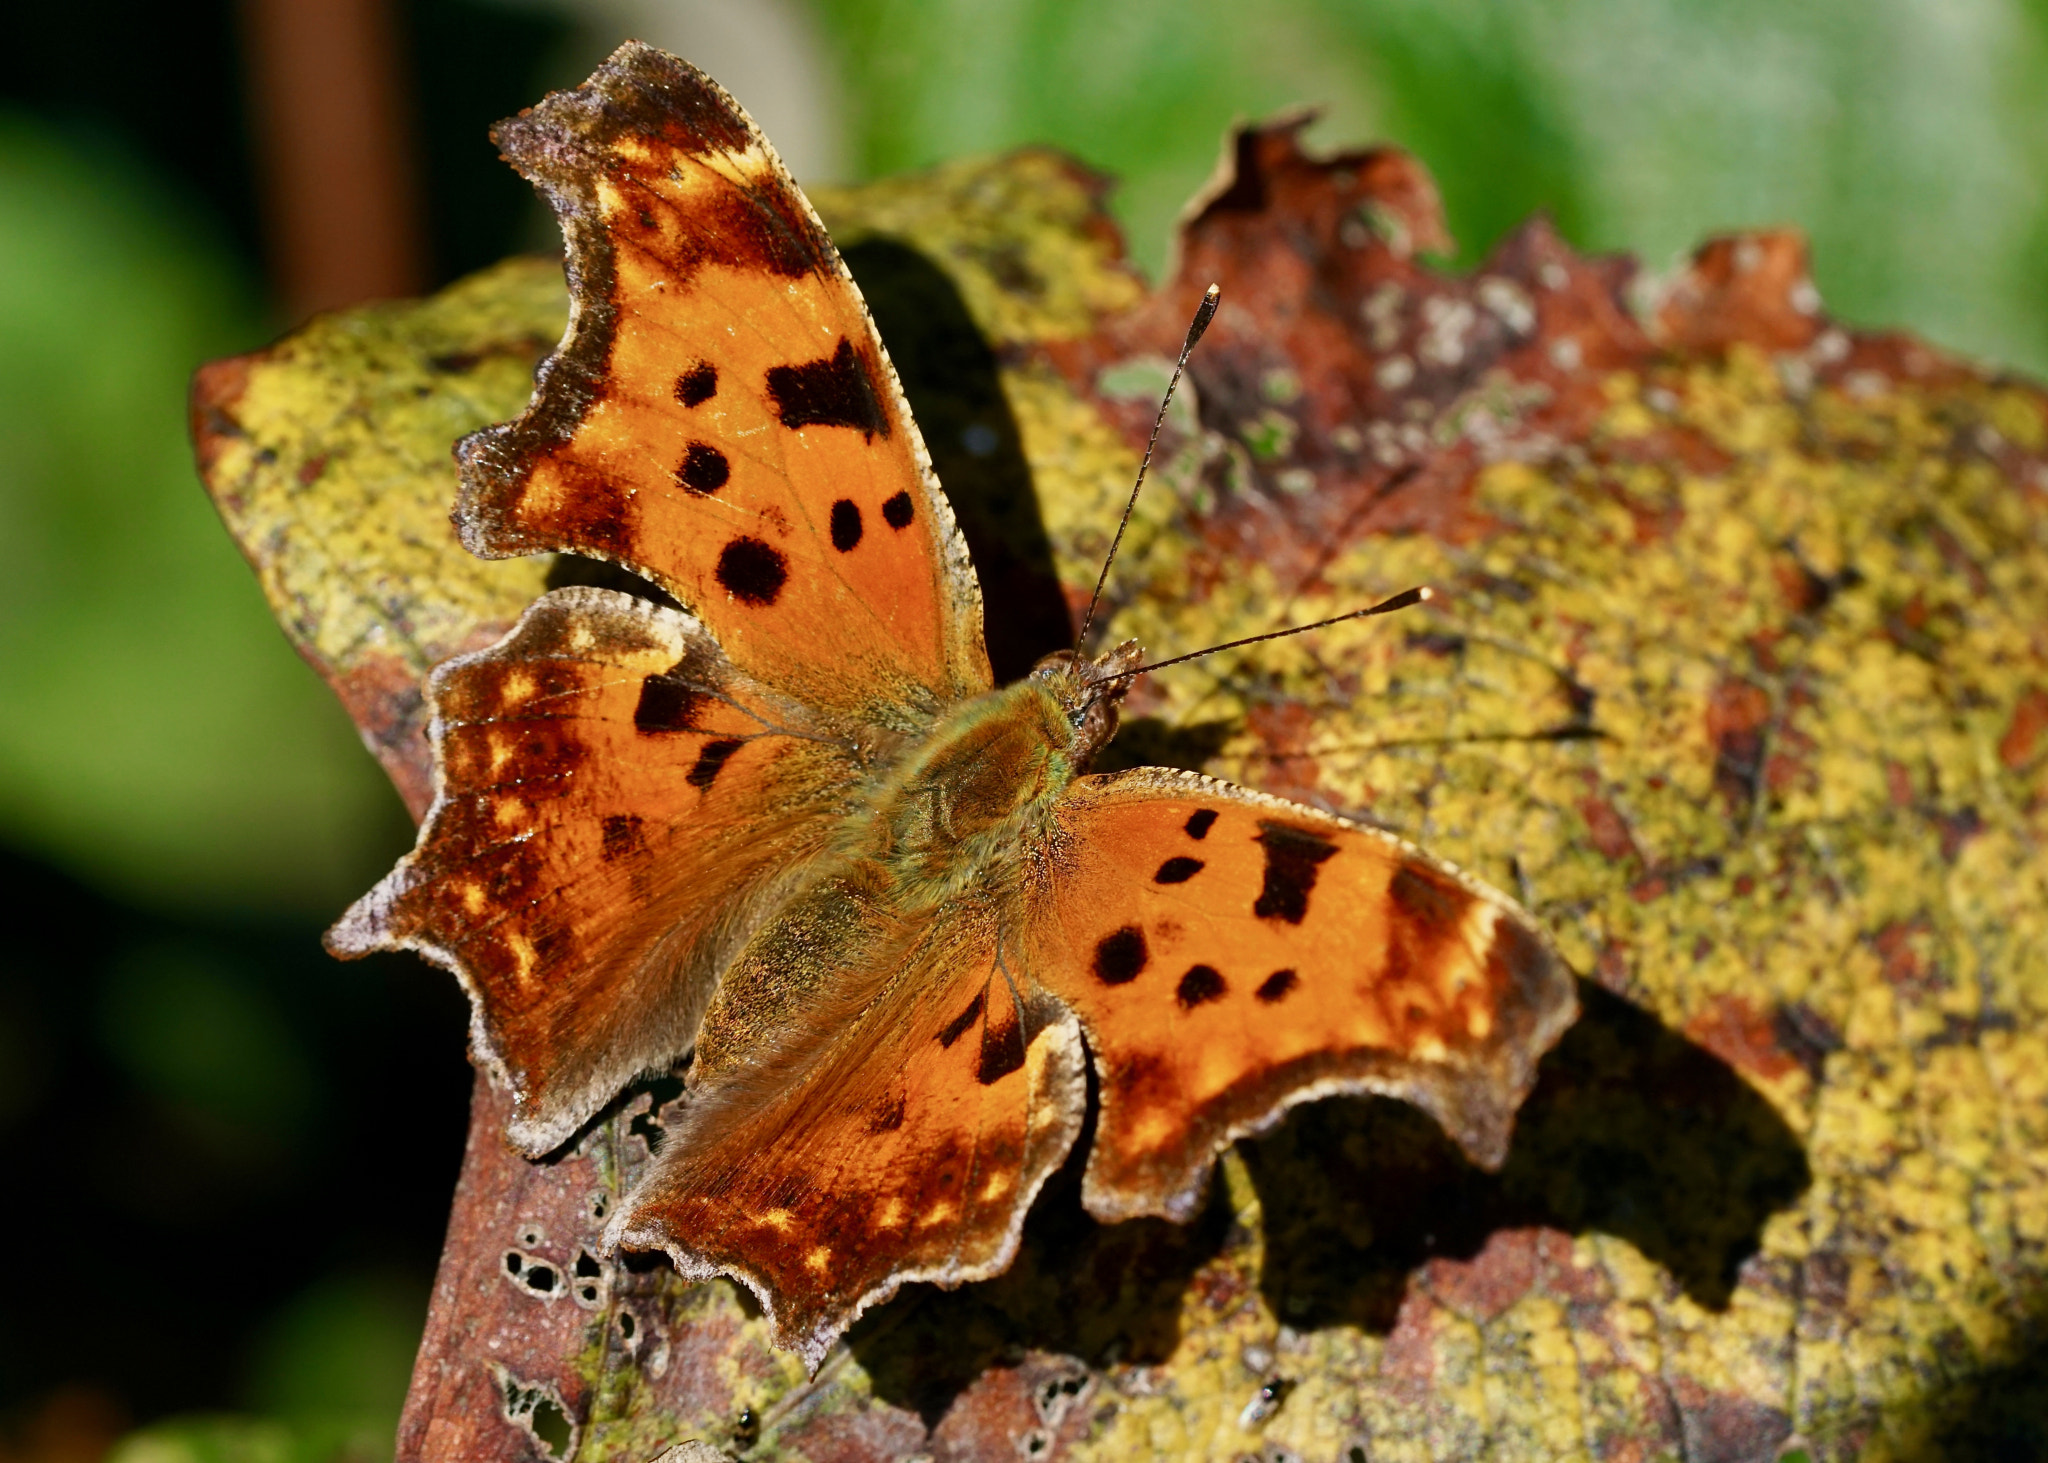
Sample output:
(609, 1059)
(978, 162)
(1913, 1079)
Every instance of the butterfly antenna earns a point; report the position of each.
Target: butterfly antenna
(1204, 313)
(1400, 601)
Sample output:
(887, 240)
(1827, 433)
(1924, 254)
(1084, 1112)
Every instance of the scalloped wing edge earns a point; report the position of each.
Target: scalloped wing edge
(363, 928)
(1475, 1114)
(547, 144)
(1069, 1095)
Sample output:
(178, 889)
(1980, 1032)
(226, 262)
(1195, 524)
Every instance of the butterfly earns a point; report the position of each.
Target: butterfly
(772, 816)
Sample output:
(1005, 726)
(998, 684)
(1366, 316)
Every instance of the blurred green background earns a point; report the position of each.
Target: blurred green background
(231, 1158)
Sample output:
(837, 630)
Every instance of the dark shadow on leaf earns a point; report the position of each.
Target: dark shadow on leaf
(573, 569)
(950, 375)
(1103, 1292)
(1998, 1415)
(1632, 1131)
(1148, 741)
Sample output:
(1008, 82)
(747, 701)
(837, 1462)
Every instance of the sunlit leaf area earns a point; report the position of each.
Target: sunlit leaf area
(230, 1157)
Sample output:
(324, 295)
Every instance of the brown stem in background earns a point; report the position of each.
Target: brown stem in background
(340, 198)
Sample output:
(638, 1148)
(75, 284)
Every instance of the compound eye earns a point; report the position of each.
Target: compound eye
(1052, 667)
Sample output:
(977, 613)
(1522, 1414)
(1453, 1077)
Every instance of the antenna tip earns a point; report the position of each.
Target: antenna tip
(1400, 601)
(1204, 313)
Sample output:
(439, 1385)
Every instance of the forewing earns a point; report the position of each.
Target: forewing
(616, 803)
(721, 416)
(1231, 954)
(902, 1141)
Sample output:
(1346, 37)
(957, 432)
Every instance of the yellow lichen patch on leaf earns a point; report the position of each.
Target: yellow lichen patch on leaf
(1017, 234)
(1077, 464)
(330, 458)
(1780, 824)
(365, 405)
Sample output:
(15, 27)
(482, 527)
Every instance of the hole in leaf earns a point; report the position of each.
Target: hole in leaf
(537, 1409)
(551, 1425)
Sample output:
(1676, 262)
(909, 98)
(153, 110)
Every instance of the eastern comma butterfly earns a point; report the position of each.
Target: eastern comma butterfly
(782, 823)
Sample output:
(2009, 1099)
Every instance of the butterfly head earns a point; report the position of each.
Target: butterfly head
(1090, 691)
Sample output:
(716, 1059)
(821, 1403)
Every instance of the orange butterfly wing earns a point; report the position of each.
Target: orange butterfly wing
(615, 804)
(831, 1161)
(721, 417)
(886, 1110)
(1230, 955)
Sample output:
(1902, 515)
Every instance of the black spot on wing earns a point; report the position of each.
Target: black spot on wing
(1292, 859)
(1121, 956)
(711, 760)
(667, 703)
(846, 527)
(957, 1027)
(832, 391)
(1201, 985)
(1276, 986)
(1002, 1052)
(753, 571)
(704, 469)
(621, 835)
(1178, 870)
(1426, 910)
(1199, 823)
(898, 511)
(698, 384)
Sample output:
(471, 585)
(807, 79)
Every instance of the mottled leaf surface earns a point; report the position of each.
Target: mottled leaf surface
(1738, 678)
(329, 457)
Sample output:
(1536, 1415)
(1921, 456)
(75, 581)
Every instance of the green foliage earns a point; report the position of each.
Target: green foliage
(214, 1438)
(228, 1437)
(336, 1361)
(328, 1379)
(156, 734)
(1907, 139)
